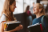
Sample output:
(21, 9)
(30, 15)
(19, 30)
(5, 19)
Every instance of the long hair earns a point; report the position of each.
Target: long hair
(6, 9)
(27, 8)
(41, 6)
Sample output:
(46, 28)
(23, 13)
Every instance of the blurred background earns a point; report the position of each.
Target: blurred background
(30, 3)
(22, 4)
(20, 14)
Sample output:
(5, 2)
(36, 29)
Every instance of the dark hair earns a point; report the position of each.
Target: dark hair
(27, 8)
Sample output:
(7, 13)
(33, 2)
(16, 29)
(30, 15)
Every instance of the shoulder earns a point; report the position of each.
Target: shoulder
(34, 19)
(3, 18)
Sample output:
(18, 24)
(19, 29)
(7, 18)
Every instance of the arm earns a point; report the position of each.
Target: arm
(1, 27)
(16, 29)
(3, 18)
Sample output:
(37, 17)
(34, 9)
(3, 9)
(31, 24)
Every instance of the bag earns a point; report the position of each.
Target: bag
(42, 21)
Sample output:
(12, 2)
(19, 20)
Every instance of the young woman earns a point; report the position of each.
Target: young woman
(7, 15)
(29, 15)
(39, 11)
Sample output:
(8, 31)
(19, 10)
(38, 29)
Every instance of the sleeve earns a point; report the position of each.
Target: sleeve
(45, 25)
(3, 18)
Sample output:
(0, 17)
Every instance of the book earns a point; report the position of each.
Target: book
(35, 28)
(11, 25)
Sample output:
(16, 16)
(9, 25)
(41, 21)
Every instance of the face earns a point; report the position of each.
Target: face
(36, 9)
(13, 6)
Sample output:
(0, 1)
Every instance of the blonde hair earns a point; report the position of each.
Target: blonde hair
(6, 9)
(41, 7)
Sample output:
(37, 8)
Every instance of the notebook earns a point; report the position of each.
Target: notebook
(35, 28)
(11, 25)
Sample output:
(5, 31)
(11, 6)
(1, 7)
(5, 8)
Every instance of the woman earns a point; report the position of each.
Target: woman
(7, 15)
(29, 15)
(39, 11)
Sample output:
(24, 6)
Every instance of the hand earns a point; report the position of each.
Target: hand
(19, 27)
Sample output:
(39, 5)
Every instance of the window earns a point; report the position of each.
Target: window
(19, 9)
(1, 5)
